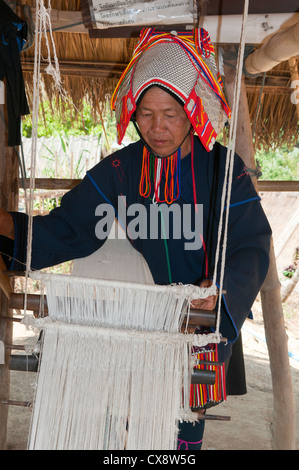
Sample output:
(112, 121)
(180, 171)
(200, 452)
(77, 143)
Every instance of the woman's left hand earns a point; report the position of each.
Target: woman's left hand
(209, 303)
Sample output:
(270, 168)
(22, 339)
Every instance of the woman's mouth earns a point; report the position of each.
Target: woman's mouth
(159, 142)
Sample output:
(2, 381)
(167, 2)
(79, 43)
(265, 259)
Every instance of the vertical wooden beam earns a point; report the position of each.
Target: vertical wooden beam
(283, 425)
(9, 192)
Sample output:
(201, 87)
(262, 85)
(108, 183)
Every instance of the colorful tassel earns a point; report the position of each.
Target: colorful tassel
(154, 171)
(202, 395)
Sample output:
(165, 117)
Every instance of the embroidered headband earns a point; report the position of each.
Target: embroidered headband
(184, 64)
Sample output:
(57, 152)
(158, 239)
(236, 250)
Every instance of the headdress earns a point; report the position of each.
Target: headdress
(183, 63)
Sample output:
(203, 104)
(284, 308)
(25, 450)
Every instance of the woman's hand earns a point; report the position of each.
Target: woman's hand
(209, 303)
(6, 225)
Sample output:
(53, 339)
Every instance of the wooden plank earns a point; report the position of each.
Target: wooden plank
(52, 183)
(278, 185)
(65, 21)
(227, 7)
(79, 68)
(67, 184)
(5, 282)
(278, 85)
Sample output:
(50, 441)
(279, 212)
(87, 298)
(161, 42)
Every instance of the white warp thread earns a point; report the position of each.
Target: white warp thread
(113, 366)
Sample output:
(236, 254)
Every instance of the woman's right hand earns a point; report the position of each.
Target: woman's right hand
(6, 225)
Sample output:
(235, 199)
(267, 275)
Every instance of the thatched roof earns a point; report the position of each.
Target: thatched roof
(90, 69)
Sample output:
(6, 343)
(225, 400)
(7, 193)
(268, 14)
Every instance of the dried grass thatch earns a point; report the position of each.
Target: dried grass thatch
(273, 115)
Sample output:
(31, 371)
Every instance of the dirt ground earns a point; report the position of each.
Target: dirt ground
(251, 414)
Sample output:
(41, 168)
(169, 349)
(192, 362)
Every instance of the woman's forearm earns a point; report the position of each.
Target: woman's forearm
(6, 225)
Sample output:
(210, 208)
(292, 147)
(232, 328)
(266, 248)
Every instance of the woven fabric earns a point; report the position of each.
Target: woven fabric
(156, 66)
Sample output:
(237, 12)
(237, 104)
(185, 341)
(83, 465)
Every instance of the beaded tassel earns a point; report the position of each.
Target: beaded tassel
(154, 171)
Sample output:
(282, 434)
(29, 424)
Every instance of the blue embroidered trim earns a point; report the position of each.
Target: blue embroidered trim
(106, 199)
(98, 189)
(244, 202)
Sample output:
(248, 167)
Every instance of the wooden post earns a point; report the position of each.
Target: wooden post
(9, 192)
(283, 425)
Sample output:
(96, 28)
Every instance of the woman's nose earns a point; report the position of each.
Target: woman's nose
(158, 124)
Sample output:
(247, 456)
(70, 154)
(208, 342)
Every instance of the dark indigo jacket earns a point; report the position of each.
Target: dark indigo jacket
(69, 231)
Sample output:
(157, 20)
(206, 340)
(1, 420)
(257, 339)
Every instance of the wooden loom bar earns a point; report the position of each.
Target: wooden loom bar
(28, 404)
(35, 302)
(24, 404)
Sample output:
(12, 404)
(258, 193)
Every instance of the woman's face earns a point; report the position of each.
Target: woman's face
(163, 123)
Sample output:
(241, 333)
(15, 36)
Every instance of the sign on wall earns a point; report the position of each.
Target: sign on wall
(135, 12)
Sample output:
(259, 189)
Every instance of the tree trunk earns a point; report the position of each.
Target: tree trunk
(9, 192)
(283, 426)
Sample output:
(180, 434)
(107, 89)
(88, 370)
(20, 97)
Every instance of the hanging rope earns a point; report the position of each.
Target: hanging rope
(226, 193)
(43, 29)
(36, 90)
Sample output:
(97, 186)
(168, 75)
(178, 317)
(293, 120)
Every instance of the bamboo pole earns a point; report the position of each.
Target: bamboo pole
(280, 47)
(283, 422)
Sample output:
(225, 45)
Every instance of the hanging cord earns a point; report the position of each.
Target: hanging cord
(42, 28)
(226, 192)
(259, 103)
(36, 82)
(257, 172)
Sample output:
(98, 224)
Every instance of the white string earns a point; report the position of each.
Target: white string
(36, 91)
(43, 28)
(46, 30)
(189, 291)
(226, 192)
(113, 354)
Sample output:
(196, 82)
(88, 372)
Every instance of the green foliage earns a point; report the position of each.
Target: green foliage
(276, 164)
(280, 164)
(54, 122)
